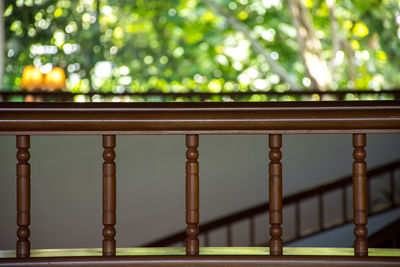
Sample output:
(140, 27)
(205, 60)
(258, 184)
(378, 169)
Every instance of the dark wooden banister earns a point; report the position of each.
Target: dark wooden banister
(192, 119)
(200, 118)
(246, 214)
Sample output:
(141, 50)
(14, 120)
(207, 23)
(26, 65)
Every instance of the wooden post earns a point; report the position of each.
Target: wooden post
(360, 195)
(275, 194)
(109, 196)
(23, 196)
(192, 195)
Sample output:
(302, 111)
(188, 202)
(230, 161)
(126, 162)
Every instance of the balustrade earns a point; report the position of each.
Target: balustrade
(191, 120)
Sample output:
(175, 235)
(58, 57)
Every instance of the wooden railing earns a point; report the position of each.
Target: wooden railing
(157, 95)
(191, 120)
(384, 173)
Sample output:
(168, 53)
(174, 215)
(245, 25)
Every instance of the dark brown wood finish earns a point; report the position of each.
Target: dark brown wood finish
(360, 195)
(275, 194)
(200, 118)
(109, 195)
(23, 196)
(192, 195)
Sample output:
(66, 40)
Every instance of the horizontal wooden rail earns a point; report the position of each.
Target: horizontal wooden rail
(200, 118)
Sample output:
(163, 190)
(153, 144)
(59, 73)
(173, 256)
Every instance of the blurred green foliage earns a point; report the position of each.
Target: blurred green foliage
(182, 46)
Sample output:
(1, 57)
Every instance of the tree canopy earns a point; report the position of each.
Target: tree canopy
(206, 45)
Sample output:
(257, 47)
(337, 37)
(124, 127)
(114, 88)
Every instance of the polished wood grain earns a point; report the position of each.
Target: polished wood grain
(360, 195)
(200, 118)
(192, 195)
(109, 195)
(275, 194)
(23, 196)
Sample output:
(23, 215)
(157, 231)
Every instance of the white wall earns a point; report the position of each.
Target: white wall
(66, 181)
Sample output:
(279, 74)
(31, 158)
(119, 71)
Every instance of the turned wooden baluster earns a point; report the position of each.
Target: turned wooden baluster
(23, 196)
(109, 195)
(360, 195)
(192, 195)
(275, 194)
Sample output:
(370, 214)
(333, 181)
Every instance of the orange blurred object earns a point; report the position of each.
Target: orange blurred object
(32, 78)
(55, 79)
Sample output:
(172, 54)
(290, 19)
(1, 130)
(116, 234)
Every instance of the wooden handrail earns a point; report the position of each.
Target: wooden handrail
(261, 208)
(200, 118)
(191, 120)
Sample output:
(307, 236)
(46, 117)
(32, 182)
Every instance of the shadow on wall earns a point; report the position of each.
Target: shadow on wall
(66, 181)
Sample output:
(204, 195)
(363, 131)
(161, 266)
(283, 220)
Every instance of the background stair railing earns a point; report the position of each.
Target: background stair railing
(384, 174)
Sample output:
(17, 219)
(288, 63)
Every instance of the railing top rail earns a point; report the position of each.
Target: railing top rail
(201, 118)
